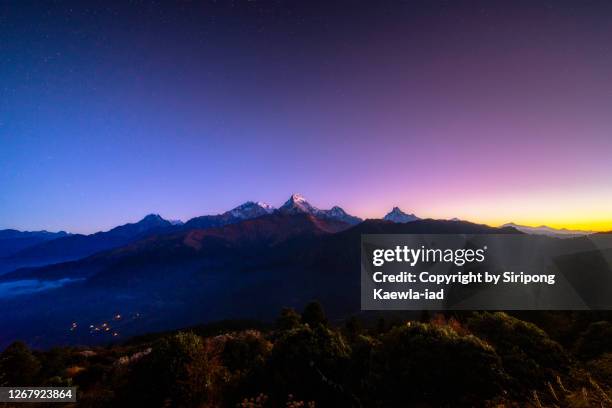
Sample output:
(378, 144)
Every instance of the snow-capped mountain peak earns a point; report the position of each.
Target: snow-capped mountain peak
(298, 198)
(298, 204)
(251, 209)
(339, 214)
(397, 215)
(265, 205)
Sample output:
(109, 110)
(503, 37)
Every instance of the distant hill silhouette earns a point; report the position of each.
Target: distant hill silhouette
(549, 231)
(13, 241)
(244, 270)
(77, 246)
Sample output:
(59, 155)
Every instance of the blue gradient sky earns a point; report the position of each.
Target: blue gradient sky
(488, 111)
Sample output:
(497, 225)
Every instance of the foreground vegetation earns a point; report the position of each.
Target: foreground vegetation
(470, 359)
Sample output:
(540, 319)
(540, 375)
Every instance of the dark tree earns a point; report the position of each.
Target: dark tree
(18, 366)
(314, 315)
(381, 325)
(353, 328)
(288, 319)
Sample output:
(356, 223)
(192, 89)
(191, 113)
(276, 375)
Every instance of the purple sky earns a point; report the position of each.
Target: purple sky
(487, 111)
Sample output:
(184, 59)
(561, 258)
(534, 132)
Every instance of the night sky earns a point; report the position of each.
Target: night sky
(487, 111)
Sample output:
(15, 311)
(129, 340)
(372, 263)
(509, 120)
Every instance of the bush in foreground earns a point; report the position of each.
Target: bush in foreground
(310, 363)
(183, 370)
(595, 341)
(419, 363)
(18, 366)
(527, 353)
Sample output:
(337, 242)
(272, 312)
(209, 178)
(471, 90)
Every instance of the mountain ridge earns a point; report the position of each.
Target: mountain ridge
(76, 246)
(398, 216)
(548, 231)
(68, 247)
(13, 241)
(298, 204)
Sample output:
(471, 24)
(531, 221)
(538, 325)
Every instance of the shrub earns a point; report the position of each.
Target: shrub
(54, 362)
(601, 367)
(352, 328)
(362, 350)
(95, 398)
(182, 369)
(310, 363)
(90, 376)
(18, 366)
(418, 363)
(314, 315)
(245, 351)
(288, 319)
(595, 340)
(528, 354)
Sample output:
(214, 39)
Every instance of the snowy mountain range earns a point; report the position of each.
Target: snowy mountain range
(297, 204)
(31, 248)
(246, 211)
(252, 209)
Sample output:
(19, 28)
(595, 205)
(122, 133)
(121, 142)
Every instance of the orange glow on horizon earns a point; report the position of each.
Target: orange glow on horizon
(587, 208)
